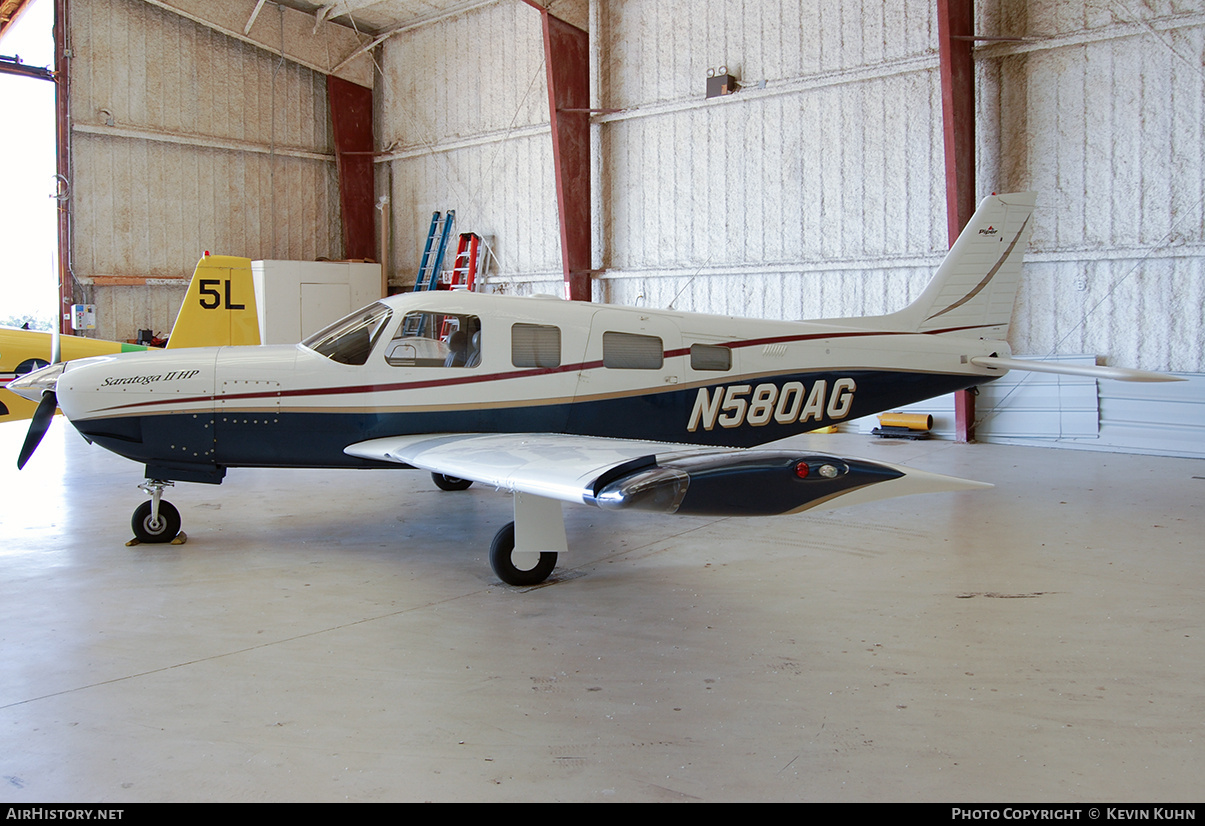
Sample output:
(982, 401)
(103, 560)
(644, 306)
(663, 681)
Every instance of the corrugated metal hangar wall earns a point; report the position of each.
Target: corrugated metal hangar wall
(817, 190)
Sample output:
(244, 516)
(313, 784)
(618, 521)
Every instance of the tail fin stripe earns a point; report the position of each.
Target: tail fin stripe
(987, 278)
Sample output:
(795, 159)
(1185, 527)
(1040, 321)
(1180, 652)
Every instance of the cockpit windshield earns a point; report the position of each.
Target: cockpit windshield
(349, 340)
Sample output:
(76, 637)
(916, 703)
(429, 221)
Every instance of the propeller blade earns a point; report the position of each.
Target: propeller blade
(38, 426)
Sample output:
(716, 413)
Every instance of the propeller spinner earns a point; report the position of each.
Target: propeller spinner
(37, 386)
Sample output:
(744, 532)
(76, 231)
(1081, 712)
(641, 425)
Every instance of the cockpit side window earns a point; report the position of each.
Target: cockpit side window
(350, 340)
(431, 339)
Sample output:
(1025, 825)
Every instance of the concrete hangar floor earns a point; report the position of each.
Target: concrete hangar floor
(330, 636)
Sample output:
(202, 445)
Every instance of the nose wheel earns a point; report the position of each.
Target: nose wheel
(156, 520)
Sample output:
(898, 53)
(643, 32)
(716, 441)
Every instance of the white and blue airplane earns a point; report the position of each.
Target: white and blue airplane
(556, 401)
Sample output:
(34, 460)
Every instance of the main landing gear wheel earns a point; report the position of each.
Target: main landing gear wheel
(502, 560)
(450, 482)
(147, 529)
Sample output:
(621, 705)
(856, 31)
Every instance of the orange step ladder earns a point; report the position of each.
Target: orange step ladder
(464, 265)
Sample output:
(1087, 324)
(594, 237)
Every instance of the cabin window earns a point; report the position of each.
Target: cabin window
(710, 357)
(535, 345)
(632, 352)
(350, 340)
(432, 339)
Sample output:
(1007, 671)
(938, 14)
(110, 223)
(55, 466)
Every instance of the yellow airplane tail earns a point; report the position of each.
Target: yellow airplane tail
(219, 308)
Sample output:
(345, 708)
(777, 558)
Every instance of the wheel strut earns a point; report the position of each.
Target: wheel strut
(154, 489)
(156, 520)
(525, 551)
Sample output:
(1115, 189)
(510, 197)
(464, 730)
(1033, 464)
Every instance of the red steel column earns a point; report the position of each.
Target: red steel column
(567, 57)
(955, 28)
(351, 120)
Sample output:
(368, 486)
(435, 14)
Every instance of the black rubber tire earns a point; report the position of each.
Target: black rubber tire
(500, 560)
(450, 482)
(165, 531)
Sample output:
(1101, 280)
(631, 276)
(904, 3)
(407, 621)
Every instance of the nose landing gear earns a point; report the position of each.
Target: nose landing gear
(156, 521)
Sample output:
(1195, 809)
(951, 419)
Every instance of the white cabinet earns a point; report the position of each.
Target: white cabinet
(296, 298)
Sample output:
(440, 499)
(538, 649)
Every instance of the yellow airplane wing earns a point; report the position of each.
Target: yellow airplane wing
(24, 350)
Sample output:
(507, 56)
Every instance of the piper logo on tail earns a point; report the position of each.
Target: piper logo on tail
(734, 405)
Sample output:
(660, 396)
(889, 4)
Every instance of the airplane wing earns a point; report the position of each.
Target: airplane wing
(672, 478)
(22, 351)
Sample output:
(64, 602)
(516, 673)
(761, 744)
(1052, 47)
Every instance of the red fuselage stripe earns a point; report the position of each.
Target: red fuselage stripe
(516, 374)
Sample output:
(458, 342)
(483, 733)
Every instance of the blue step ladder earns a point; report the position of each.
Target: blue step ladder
(430, 265)
(433, 257)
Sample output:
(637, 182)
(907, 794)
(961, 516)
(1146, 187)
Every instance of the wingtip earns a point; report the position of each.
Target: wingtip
(911, 481)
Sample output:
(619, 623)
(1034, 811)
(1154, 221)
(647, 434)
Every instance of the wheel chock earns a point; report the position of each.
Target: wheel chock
(180, 539)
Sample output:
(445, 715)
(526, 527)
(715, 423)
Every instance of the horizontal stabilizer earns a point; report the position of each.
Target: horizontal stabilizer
(1088, 370)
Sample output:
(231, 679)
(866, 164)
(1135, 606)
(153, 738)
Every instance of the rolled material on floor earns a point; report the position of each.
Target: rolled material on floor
(912, 421)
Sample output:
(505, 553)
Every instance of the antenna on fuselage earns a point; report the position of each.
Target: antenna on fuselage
(689, 282)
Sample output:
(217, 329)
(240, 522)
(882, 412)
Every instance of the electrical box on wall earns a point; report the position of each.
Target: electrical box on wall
(720, 83)
(83, 316)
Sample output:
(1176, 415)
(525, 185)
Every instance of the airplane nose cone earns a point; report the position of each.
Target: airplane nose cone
(33, 385)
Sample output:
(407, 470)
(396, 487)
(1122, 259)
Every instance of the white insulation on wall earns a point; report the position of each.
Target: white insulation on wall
(818, 189)
(185, 140)
(462, 120)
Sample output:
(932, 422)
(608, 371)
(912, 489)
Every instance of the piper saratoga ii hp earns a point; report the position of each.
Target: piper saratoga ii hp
(556, 401)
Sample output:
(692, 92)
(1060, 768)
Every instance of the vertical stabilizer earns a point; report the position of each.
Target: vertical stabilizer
(973, 291)
(219, 308)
